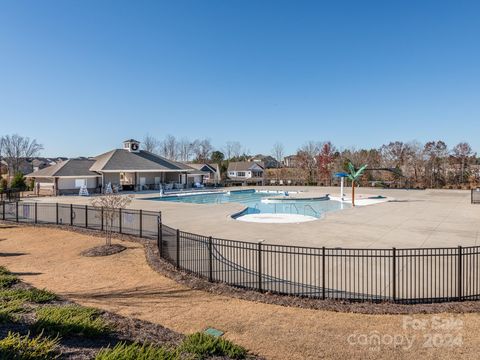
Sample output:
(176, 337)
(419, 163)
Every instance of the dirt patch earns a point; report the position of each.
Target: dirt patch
(103, 250)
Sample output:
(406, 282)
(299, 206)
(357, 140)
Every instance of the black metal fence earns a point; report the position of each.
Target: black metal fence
(475, 196)
(415, 275)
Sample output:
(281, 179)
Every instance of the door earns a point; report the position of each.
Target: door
(143, 182)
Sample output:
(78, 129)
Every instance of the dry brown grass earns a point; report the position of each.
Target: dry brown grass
(125, 284)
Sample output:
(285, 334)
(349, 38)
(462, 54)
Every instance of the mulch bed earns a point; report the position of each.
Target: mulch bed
(165, 268)
(103, 250)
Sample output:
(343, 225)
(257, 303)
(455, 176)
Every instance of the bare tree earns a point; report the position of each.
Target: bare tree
(203, 150)
(394, 154)
(233, 149)
(150, 144)
(108, 206)
(278, 152)
(462, 152)
(16, 149)
(414, 163)
(307, 158)
(185, 149)
(435, 153)
(168, 147)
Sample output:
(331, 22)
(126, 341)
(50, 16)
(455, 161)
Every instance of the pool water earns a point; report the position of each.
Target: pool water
(257, 202)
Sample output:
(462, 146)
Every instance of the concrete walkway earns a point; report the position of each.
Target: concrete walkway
(416, 218)
(125, 284)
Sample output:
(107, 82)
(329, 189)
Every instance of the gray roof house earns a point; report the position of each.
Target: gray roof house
(128, 168)
(245, 173)
(210, 172)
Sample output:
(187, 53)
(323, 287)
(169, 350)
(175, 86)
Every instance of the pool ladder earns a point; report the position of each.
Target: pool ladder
(311, 208)
(295, 206)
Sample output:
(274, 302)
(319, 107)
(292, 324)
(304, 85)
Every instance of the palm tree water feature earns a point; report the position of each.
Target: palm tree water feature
(354, 175)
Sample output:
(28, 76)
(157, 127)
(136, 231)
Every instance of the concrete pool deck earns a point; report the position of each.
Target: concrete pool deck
(414, 218)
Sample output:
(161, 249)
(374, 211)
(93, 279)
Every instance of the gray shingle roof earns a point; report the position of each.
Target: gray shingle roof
(242, 166)
(204, 167)
(124, 160)
(72, 167)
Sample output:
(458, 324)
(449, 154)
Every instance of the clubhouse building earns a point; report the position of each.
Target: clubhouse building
(126, 169)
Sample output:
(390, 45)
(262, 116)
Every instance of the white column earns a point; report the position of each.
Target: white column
(341, 188)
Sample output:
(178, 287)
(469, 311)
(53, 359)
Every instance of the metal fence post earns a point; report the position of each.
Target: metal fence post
(56, 213)
(3, 210)
(259, 266)
(459, 274)
(86, 216)
(101, 223)
(160, 235)
(16, 211)
(119, 220)
(141, 223)
(36, 212)
(178, 249)
(323, 272)
(394, 274)
(210, 259)
(71, 214)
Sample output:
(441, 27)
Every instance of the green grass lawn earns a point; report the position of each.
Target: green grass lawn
(15, 346)
(70, 320)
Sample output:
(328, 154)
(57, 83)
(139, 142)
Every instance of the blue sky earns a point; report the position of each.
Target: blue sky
(81, 76)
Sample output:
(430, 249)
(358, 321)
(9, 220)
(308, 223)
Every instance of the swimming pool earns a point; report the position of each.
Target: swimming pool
(263, 202)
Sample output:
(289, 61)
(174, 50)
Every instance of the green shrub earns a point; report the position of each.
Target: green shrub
(31, 295)
(135, 351)
(7, 280)
(18, 182)
(8, 309)
(4, 271)
(203, 346)
(3, 184)
(15, 346)
(70, 320)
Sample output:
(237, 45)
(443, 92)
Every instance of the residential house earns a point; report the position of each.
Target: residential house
(245, 173)
(208, 174)
(128, 168)
(267, 161)
(291, 161)
(27, 165)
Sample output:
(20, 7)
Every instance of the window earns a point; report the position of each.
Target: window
(241, 174)
(80, 182)
(231, 173)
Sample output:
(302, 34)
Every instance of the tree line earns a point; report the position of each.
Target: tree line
(419, 165)
(195, 150)
(413, 164)
(432, 164)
